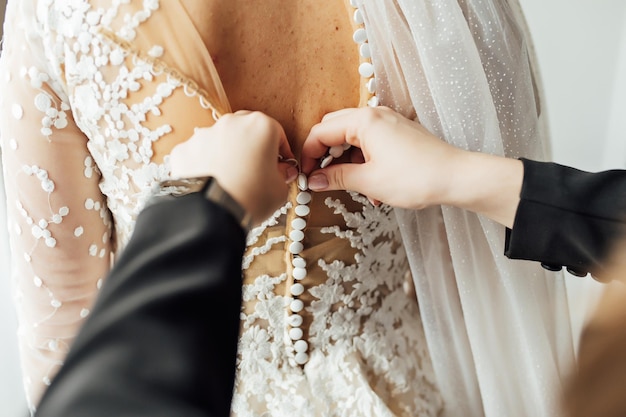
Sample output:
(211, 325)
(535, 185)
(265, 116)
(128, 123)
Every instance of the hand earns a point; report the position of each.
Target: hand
(404, 165)
(241, 150)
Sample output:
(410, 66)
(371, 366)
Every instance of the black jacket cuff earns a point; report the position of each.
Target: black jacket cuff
(567, 217)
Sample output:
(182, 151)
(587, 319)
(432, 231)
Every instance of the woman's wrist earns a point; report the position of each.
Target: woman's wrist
(486, 184)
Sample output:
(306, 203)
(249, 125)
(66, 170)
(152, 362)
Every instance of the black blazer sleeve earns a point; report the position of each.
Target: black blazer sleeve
(162, 337)
(567, 217)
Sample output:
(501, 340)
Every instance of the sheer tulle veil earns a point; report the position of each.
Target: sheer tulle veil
(498, 330)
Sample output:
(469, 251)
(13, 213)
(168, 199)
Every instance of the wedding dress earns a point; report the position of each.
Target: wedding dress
(89, 88)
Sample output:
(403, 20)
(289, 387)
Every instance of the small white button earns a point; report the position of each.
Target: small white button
(360, 35)
(303, 182)
(298, 223)
(365, 51)
(302, 210)
(302, 358)
(296, 306)
(296, 333)
(373, 102)
(295, 320)
(303, 198)
(296, 247)
(358, 17)
(297, 289)
(296, 235)
(299, 273)
(298, 262)
(326, 161)
(371, 85)
(366, 69)
(301, 346)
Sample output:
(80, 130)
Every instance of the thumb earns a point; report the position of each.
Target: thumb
(338, 177)
(288, 171)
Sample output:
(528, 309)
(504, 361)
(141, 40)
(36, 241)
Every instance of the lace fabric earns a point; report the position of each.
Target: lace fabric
(77, 140)
(367, 350)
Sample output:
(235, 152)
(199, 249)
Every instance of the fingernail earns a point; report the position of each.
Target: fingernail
(292, 174)
(318, 182)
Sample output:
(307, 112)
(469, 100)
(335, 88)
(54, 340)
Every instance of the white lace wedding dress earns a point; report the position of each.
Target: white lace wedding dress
(91, 87)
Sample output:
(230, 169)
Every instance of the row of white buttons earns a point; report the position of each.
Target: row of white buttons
(295, 320)
(299, 271)
(366, 70)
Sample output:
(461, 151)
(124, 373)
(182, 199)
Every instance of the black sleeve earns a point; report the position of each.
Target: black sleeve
(567, 217)
(162, 337)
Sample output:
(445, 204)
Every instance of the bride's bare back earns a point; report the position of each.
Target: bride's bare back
(294, 60)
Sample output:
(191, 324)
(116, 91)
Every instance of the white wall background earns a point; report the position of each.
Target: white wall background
(581, 45)
(581, 48)
(11, 391)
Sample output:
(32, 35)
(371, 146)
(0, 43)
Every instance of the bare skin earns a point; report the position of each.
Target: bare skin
(292, 60)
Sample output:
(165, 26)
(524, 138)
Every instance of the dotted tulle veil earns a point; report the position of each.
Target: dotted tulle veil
(498, 330)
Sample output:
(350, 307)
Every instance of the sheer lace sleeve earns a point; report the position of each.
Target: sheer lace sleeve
(59, 227)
